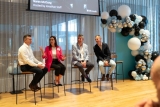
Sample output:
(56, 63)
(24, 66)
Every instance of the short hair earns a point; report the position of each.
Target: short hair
(25, 36)
(98, 36)
(80, 35)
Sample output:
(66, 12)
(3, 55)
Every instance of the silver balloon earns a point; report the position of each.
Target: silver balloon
(146, 52)
(143, 34)
(143, 68)
(120, 25)
(145, 56)
(114, 24)
(128, 21)
(137, 66)
(128, 18)
(139, 63)
(142, 40)
(129, 25)
(143, 63)
(124, 24)
(149, 56)
(114, 21)
(145, 38)
(110, 26)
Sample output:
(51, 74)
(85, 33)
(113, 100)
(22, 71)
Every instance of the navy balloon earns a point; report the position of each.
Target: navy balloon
(155, 54)
(141, 24)
(144, 19)
(104, 21)
(119, 17)
(133, 17)
(113, 13)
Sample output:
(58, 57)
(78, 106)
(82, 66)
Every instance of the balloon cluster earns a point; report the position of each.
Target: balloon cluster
(124, 22)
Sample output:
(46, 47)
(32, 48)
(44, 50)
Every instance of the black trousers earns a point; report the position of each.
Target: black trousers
(89, 67)
(58, 66)
(39, 73)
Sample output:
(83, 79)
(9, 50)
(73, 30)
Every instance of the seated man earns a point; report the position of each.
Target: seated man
(80, 58)
(103, 57)
(28, 62)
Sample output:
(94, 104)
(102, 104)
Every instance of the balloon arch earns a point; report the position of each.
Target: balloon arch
(132, 24)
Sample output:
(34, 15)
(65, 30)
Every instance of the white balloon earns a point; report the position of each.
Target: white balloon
(147, 33)
(134, 43)
(145, 77)
(141, 31)
(134, 73)
(124, 11)
(134, 53)
(104, 15)
(138, 19)
(147, 46)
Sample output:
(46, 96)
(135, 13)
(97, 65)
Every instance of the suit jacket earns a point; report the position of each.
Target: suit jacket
(48, 56)
(103, 54)
(76, 54)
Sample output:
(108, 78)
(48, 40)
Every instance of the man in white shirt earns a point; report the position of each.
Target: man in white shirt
(80, 58)
(28, 62)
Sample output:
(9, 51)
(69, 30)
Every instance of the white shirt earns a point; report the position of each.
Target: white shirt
(25, 56)
(54, 53)
(82, 52)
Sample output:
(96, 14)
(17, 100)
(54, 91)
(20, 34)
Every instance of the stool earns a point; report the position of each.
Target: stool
(114, 56)
(52, 70)
(122, 73)
(26, 73)
(72, 67)
(111, 79)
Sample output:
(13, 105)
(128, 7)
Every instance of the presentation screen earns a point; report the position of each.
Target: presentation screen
(88, 7)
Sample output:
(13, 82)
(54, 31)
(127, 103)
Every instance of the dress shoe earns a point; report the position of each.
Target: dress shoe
(103, 77)
(82, 78)
(38, 87)
(59, 84)
(33, 88)
(107, 76)
(88, 79)
(56, 84)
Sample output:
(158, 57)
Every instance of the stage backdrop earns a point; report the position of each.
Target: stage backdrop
(124, 54)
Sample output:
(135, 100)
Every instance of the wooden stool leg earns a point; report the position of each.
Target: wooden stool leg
(34, 94)
(44, 85)
(71, 78)
(79, 83)
(40, 91)
(64, 86)
(122, 72)
(25, 86)
(52, 84)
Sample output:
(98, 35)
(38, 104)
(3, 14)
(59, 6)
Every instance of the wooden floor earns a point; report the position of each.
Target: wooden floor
(125, 94)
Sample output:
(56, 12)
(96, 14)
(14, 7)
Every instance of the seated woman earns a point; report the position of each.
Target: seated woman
(53, 57)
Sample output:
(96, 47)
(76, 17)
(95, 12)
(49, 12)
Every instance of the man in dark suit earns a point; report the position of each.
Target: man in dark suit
(103, 54)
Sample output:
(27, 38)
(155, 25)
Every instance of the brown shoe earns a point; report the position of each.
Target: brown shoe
(38, 88)
(103, 77)
(33, 87)
(107, 76)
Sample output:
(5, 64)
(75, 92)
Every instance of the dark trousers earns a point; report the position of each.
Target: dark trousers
(58, 66)
(89, 67)
(39, 73)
